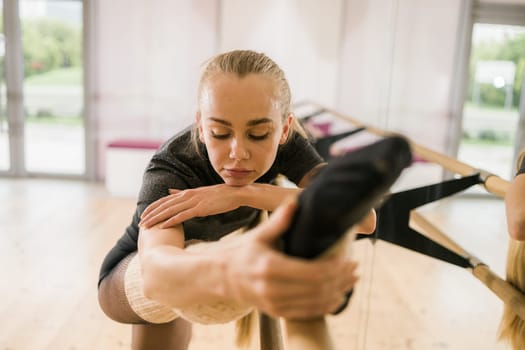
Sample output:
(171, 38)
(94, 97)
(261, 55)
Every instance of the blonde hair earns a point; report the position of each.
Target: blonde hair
(244, 62)
(519, 160)
(512, 327)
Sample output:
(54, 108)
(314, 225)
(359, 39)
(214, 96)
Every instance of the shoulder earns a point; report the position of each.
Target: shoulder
(297, 157)
(298, 148)
(177, 164)
(180, 156)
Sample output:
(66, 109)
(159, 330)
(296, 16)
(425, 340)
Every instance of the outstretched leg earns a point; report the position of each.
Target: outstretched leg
(172, 335)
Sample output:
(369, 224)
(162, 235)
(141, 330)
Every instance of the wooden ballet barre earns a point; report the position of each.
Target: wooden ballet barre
(304, 337)
(505, 291)
(492, 183)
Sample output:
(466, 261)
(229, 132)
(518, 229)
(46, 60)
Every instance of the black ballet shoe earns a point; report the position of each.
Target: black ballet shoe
(342, 194)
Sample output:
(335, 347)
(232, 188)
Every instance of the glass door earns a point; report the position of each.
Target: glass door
(41, 88)
(54, 141)
(491, 112)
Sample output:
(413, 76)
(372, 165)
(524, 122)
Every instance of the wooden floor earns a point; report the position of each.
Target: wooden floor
(54, 234)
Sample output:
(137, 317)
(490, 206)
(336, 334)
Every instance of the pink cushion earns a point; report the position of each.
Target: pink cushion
(132, 143)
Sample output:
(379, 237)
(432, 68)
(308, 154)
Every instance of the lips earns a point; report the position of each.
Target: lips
(238, 173)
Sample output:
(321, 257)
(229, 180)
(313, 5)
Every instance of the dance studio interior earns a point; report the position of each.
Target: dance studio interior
(90, 89)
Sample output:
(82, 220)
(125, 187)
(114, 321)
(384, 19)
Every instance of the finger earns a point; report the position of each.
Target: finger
(349, 284)
(153, 206)
(348, 277)
(159, 218)
(178, 219)
(159, 206)
(328, 305)
(164, 214)
(285, 290)
(302, 307)
(289, 293)
(172, 206)
(340, 305)
(299, 270)
(307, 308)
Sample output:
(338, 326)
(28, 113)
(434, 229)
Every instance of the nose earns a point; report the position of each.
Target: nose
(238, 150)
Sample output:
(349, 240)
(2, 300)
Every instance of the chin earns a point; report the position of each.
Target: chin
(237, 182)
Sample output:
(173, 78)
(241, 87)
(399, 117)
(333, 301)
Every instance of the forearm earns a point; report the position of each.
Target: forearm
(269, 197)
(265, 196)
(175, 277)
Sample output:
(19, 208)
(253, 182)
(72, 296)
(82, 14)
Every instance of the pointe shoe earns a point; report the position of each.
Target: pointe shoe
(342, 193)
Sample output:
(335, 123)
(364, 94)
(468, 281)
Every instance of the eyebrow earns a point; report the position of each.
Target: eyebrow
(252, 122)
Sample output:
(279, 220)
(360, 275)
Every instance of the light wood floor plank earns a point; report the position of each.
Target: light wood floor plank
(54, 234)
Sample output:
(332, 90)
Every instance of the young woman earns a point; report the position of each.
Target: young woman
(514, 208)
(512, 327)
(209, 181)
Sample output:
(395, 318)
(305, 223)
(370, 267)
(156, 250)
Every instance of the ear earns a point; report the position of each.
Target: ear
(287, 125)
(198, 121)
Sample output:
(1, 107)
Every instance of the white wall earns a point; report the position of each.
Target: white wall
(398, 66)
(302, 36)
(147, 66)
(386, 62)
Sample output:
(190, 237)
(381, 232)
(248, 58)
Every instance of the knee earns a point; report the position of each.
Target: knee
(104, 301)
(113, 305)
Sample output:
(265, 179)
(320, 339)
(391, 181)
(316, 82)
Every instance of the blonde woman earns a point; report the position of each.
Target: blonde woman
(211, 180)
(512, 326)
(514, 208)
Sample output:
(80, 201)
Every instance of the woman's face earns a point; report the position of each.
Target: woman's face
(241, 125)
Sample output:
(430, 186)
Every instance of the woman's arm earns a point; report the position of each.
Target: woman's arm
(173, 276)
(515, 207)
(182, 205)
(249, 271)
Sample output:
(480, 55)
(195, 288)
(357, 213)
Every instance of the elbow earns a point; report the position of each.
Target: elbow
(149, 289)
(149, 282)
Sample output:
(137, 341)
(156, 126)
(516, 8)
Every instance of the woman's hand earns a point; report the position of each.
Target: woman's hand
(182, 205)
(283, 286)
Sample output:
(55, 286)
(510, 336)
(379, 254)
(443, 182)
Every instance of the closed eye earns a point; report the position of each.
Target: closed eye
(220, 136)
(258, 137)
(259, 132)
(220, 132)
